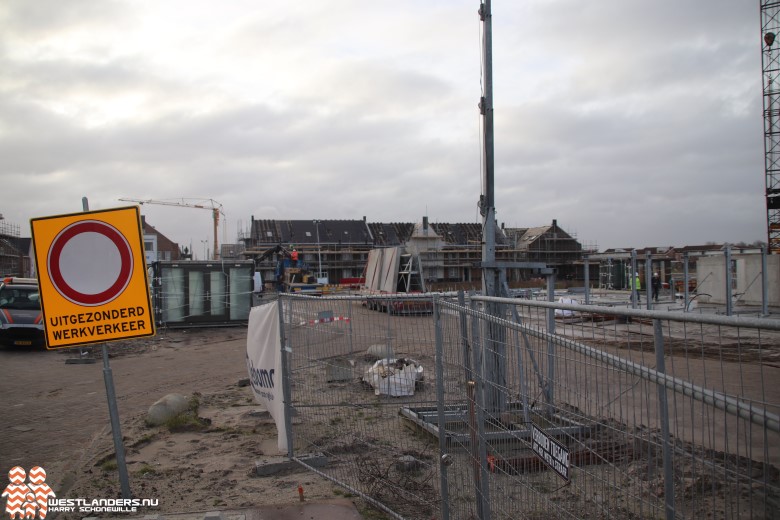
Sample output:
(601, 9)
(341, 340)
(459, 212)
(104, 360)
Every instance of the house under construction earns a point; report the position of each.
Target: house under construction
(450, 254)
(15, 257)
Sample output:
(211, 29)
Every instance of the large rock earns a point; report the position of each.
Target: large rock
(167, 408)
(339, 370)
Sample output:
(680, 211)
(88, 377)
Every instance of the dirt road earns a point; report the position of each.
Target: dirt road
(55, 415)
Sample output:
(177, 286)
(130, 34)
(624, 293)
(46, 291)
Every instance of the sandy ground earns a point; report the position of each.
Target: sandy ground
(55, 415)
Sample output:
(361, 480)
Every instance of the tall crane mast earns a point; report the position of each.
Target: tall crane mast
(770, 63)
(209, 204)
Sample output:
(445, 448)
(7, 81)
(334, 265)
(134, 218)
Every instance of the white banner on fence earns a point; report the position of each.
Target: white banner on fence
(264, 362)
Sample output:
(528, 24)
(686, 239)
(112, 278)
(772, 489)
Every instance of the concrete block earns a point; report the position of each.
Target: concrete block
(213, 515)
(315, 460)
(339, 370)
(267, 467)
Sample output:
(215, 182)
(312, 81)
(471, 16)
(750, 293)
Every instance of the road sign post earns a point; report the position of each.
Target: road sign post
(93, 289)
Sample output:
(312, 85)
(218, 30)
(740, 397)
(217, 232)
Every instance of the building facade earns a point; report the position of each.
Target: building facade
(158, 247)
(450, 254)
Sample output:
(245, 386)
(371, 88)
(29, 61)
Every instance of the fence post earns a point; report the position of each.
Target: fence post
(440, 408)
(464, 336)
(658, 334)
(349, 315)
(548, 391)
(494, 360)
(286, 383)
(389, 340)
(478, 450)
(727, 254)
(648, 278)
(476, 361)
(477, 423)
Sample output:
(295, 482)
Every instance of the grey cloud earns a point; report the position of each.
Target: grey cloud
(41, 17)
(630, 123)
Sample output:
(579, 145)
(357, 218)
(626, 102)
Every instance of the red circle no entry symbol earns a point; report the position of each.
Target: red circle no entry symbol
(90, 263)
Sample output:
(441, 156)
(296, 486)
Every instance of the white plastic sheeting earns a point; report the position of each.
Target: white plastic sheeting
(394, 377)
(264, 363)
(565, 312)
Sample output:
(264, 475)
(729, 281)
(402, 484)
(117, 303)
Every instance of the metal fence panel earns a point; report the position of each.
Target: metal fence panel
(662, 415)
(333, 342)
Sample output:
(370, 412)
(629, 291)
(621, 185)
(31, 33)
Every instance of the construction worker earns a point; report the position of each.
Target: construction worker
(655, 284)
(637, 286)
(294, 257)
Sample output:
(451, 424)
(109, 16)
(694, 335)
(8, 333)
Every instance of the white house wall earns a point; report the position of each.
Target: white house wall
(749, 283)
(748, 286)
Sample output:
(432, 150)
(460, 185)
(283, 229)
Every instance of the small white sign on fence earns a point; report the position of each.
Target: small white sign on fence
(552, 452)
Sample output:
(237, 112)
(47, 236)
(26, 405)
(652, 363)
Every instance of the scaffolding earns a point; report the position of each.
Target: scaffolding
(770, 62)
(9, 229)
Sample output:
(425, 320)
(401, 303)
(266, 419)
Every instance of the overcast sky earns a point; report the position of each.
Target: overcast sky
(632, 123)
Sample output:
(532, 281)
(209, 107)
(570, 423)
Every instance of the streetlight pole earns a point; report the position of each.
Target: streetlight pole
(319, 251)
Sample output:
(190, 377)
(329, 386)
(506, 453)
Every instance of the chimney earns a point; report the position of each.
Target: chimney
(555, 223)
(425, 223)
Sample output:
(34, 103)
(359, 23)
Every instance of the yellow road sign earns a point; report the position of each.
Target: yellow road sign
(92, 277)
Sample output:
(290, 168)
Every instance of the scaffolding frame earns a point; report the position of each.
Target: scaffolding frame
(770, 64)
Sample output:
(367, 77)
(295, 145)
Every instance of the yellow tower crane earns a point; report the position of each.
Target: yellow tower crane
(209, 204)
